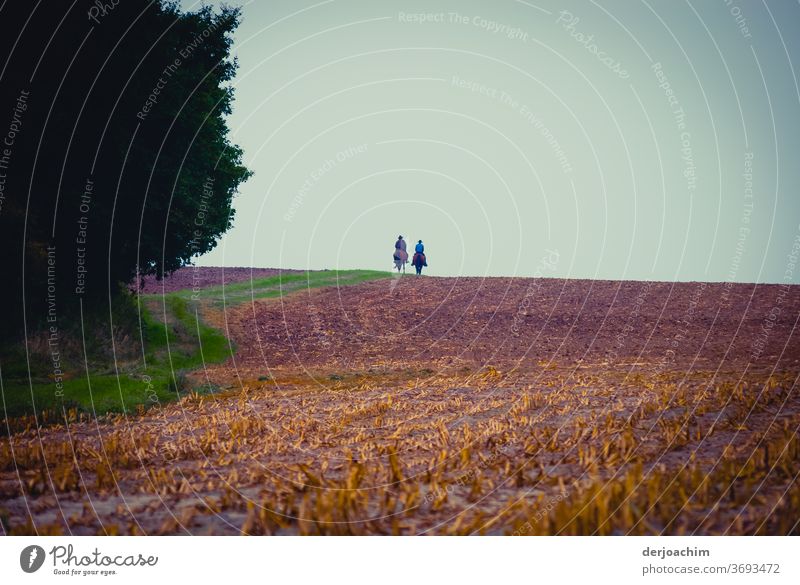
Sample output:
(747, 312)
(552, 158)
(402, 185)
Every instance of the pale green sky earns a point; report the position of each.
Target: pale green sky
(496, 131)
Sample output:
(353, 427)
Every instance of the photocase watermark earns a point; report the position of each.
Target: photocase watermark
(744, 227)
(199, 222)
(52, 323)
(318, 173)
(173, 68)
(464, 480)
(679, 116)
(14, 127)
(152, 99)
(421, 17)
(95, 563)
(541, 511)
(491, 26)
(101, 9)
(81, 239)
(633, 315)
(202, 209)
(768, 323)
(568, 22)
(31, 558)
(150, 390)
(741, 21)
(548, 262)
(477, 87)
(523, 110)
(682, 334)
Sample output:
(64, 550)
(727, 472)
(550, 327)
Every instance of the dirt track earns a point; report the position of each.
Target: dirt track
(446, 322)
(452, 406)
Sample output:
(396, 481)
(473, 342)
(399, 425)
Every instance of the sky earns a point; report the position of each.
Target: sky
(649, 140)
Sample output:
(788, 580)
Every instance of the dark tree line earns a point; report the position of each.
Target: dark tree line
(114, 148)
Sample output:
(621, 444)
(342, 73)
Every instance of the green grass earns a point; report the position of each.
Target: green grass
(175, 341)
(170, 350)
(275, 286)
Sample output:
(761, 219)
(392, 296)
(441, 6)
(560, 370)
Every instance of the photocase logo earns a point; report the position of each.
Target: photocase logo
(31, 558)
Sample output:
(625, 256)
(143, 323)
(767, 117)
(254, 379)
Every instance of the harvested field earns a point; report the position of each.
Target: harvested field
(451, 406)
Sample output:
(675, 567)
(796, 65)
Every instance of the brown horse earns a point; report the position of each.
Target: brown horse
(418, 261)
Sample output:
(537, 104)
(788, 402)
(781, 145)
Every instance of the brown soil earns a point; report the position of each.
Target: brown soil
(450, 406)
(519, 323)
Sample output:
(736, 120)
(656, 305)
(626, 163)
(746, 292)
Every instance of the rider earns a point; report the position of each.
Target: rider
(419, 257)
(400, 254)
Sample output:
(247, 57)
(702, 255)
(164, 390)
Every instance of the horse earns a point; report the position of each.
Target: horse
(419, 261)
(400, 259)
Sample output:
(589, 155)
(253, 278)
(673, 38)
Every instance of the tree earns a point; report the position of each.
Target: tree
(120, 159)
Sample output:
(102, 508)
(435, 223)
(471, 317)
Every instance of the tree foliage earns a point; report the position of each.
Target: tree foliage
(120, 159)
